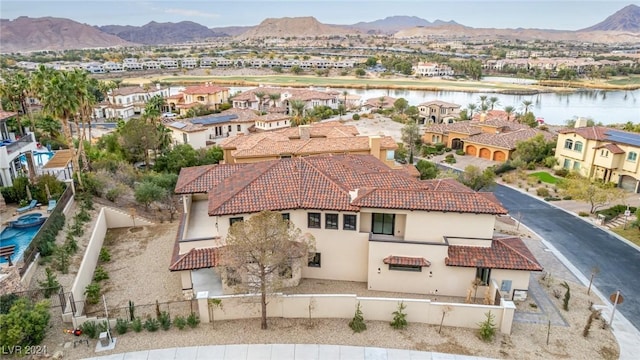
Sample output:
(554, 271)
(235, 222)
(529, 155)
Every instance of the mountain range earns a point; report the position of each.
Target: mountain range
(48, 33)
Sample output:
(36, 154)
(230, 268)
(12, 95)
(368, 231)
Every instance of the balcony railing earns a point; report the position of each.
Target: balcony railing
(19, 144)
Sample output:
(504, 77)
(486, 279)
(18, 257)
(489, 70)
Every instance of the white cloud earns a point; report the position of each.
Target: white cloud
(192, 13)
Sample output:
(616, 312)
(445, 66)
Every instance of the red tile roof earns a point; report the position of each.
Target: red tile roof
(504, 253)
(197, 259)
(615, 149)
(6, 114)
(588, 133)
(203, 89)
(406, 260)
(322, 182)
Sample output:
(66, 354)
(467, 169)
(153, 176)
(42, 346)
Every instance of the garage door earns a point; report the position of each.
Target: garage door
(499, 156)
(628, 183)
(471, 150)
(485, 153)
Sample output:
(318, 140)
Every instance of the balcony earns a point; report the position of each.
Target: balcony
(17, 145)
(385, 238)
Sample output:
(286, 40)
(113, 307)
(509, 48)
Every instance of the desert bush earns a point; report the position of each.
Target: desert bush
(193, 320)
(583, 214)
(152, 325)
(399, 321)
(165, 320)
(122, 325)
(567, 296)
(100, 274)
(90, 329)
(487, 328)
(460, 152)
(92, 291)
(561, 172)
(357, 323)
(180, 322)
(542, 191)
(356, 117)
(104, 256)
(136, 325)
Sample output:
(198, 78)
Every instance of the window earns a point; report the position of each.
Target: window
(576, 165)
(632, 156)
(313, 220)
(314, 260)
(229, 128)
(484, 275)
(349, 222)
(234, 220)
(604, 153)
(238, 128)
(578, 146)
(383, 223)
(391, 154)
(417, 268)
(568, 144)
(285, 216)
(566, 164)
(331, 221)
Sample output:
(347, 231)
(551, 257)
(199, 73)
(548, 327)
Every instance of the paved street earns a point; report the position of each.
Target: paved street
(584, 245)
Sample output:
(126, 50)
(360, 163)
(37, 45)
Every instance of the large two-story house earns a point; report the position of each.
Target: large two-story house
(599, 152)
(261, 99)
(207, 95)
(437, 112)
(13, 149)
(127, 101)
(371, 224)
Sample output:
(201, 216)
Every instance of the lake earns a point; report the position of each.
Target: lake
(608, 107)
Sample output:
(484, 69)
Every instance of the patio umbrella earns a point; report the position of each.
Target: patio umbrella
(29, 194)
(46, 189)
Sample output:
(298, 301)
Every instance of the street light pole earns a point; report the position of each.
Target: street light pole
(615, 303)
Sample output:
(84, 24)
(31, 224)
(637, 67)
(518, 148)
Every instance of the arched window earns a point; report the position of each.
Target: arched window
(568, 144)
(578, 146)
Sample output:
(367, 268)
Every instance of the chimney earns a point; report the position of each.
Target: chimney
(580, 122)
(483, 116)
(353, 194)
(374, 145)
(304, 131)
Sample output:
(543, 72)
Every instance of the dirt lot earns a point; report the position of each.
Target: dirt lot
(138, 271)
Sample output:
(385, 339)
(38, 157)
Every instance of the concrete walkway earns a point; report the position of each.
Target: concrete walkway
(548, 310)
(282, 352)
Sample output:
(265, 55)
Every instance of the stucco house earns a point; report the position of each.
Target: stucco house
(127, 101)
(207, 95)
(371, 224)
(432, 69)
(12, 150)
(598, 152)
(437, 112)
(379, 103)
(331, 137)
(249, 99)
(494, 139)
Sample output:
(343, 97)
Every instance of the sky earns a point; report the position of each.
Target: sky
(543, 14)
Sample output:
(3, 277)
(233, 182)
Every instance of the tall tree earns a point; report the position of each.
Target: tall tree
(597, 193)
(509, 110)
(526, 105)
(263, 250)
(493, 101)
(297, 110)
(274, 97)
(400, 105)
(483, 101)
(471, 108)
(411, 137)
(59, 98)
(14, 90)
(260, 96)
(477, 179)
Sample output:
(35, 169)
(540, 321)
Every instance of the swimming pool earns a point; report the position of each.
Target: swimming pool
(20, 237)
(29, 220)
(39, 157)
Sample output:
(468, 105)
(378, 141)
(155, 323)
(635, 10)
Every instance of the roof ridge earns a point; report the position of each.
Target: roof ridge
(533, 261)
(326, 176)
(203, 169)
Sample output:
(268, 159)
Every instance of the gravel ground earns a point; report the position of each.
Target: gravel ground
(145, 253)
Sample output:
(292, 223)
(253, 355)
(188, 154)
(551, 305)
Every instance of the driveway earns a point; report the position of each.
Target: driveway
(584, 245)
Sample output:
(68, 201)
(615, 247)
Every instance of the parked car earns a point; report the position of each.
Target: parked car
(168, 115)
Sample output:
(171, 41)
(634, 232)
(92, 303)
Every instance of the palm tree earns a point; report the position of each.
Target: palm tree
(297, 107)
(526, 104)
(381, 102)
(509, 110)
(345, 93)
(493, 101)
(58, 98)
(260, 95)
(274, 97)
(15, 89)
(483, 100)
(471, 107)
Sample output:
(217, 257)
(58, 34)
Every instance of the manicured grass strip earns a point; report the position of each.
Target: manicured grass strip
(630, 233)
(545, 177)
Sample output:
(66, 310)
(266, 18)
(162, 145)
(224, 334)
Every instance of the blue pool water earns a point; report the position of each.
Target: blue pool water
(39, 157)
(20, 237)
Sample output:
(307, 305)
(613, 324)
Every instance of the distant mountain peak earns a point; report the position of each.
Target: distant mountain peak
(392, 24)
(626, 19)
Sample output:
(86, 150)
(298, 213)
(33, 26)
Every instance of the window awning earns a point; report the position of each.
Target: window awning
(406, 260)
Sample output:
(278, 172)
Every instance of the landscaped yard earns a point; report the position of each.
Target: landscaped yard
(630, 233)
(545, 177)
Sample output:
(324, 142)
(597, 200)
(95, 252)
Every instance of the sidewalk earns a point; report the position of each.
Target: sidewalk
(283, 352)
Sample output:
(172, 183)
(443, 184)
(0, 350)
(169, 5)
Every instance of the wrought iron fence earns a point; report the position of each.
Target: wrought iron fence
(173, 308)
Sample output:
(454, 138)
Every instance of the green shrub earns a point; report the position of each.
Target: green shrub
(103, 326)
(561, 172)
(82, 216)
(193, 320)
(567, 198)
(100, 274)
(151, 325)
(25, 324)
(460, 152)
(542, 191)
(122, 325)
(439, 147)
(614, 211)
(450, 159)
(6, 301)
(356, 117)
(583, 214)
(46, 247)
(357, 323)
(114, 193)
(180, 322)
(399, 317)
(90, 329)
(104, 256)
(502, 168)
(567, 296)
(165, 320)
(136, 325)
(487, 328)
(50, 285)
(62, 259)
(92, 291)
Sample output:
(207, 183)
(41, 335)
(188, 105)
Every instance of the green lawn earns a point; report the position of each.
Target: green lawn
(631, 234)
(626, 80)
(545, 177)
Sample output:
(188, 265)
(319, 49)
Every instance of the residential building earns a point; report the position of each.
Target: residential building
(207, 95)
(369, 223)
(330, 137)
(310, 97)
(492, 138)
(127, 101)
(203, 131)
(12, 150)
(598, 152)
(432, 69)
(379, 103)
(437, 112)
